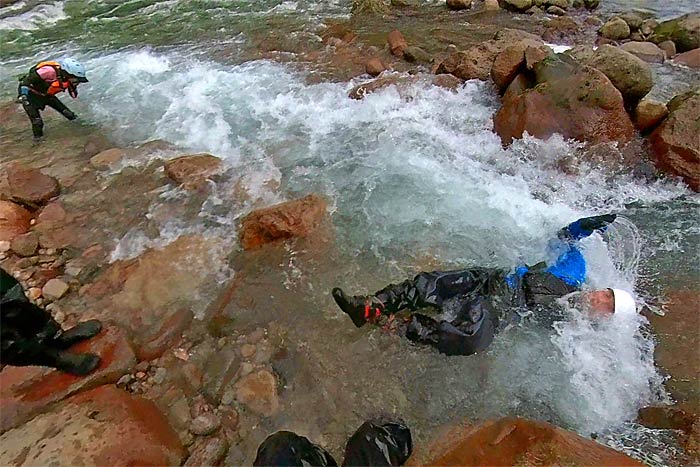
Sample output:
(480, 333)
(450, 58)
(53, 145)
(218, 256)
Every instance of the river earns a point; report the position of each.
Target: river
(414, 178)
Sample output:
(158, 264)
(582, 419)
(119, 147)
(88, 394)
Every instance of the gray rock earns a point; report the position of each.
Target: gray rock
(669, 48)
(647, 51)
(555, 10)
(416, 54)
(25, 244)
(205, 424)
(615, 29)
(648, 26)
(629, 74)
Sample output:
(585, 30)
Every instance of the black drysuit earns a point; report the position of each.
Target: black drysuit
(376, 443)
(28, 334)
(475, 303)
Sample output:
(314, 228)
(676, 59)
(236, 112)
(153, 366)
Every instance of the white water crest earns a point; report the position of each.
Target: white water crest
(38, 17)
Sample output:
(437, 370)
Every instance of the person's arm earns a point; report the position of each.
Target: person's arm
(585, 227)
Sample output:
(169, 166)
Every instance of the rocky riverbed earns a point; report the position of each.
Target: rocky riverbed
(213, 281)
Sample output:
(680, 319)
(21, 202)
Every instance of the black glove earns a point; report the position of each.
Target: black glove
(585, 226)
(69, 114)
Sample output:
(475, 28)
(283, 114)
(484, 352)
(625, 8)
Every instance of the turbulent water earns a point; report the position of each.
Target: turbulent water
(415, 177)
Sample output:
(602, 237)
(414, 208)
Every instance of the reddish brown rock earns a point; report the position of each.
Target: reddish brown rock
(473, 63)
(14, 220)
(509, 61)
(374, 67)
(647, 51)
(104, 426)
(570, 99)
(29, 186)
(361, 90)
(26, 391)
(648, 114)
(676, 144)
(534, 55)
(108, 158)
(690, 59)
(258, 392)
(165, 337)
(459, 4)
(291, 219)
(516, 441)
(562, 30)
(193, 169)
(52, 213)
(396, 42)
(446, 81)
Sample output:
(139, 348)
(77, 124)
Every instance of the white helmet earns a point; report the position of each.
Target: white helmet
(624, 303)
(75, 68)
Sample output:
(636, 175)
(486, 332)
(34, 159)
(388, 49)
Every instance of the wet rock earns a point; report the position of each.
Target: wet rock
(207, 452)
(515, 5)
(629, 74)
(396, 42)
(459, 4)
(615, 29)
(473, 63)
(416, 54)
(192, 170)
(491, 5)
(675, 141)
(165, 337)
(534, 55)
(258, 392)
(561, 30)
(108, 158)
(360, 91)
(591, 4)
(52, 213)
(634, 19)
(295, 218)
(28, 186)
(374, 67)
(690, 59)
(26, 391)
(14, 220)
(54, 289)
(647, 51)
(570, 99)
(25, 244)
(509, 61)
(648, 114)
(95, 144)
(666, 418)
(668, 47)
(446, 81)
(105, 426)
(205, 424)
(516, 441)
(683, 31)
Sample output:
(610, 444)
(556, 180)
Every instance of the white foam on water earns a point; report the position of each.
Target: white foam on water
(413, 171)
(38, 17)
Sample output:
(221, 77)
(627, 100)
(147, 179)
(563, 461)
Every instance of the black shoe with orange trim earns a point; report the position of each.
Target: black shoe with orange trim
(360, 309)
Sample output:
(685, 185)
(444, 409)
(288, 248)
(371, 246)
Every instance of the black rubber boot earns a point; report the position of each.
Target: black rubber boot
(82, 331)
(360, 309)
(78, 364)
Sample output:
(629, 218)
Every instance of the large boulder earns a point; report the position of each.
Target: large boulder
(28, 186)
(691, 59)
(568, 98)
(26, 391)
(14, 220)
(291, 219)
(510, 60)
(615, 29)
(473, 63)
(105, 426)
(647, 51)
(683, 31)
(629, 74)
(192, 169)
(516, 441)
(676, 143)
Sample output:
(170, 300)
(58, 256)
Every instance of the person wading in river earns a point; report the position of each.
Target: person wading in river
(39, 87)
(470, 298)
(30, 336)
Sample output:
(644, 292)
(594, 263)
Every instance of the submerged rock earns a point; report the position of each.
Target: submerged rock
(295, 218)
(630, 75)
(14, 220)
(573, 100)
(361, 90)
(190, 170)
(516, 441)
(675, 142)
(683, 31)
(105, 426)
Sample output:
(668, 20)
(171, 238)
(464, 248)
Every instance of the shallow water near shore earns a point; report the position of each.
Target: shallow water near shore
(416, 180)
